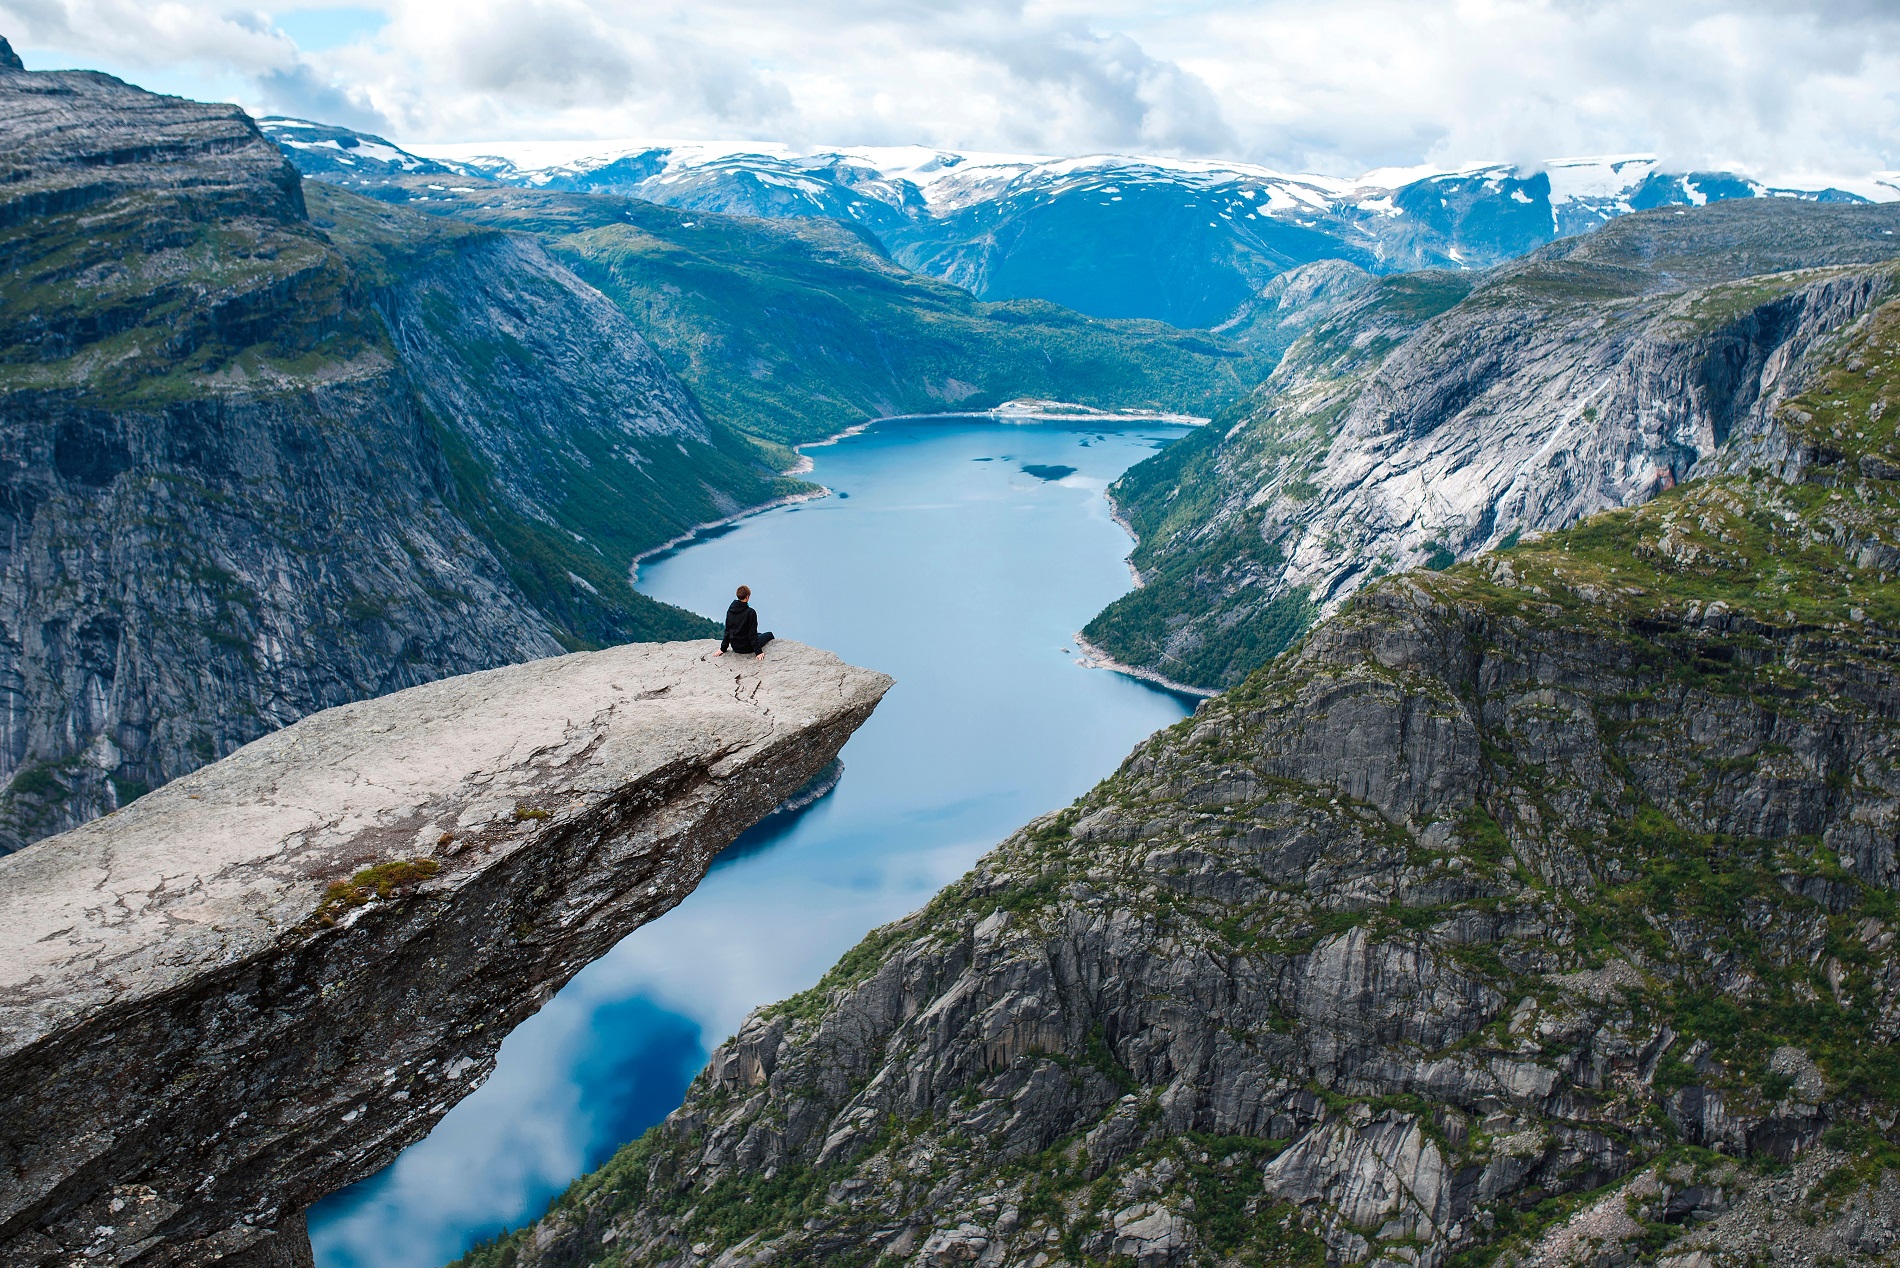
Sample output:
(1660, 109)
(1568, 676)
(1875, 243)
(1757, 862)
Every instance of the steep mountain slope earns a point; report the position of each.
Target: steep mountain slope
(262, 457)
(1184, 241)
(1538, 911)
(796, 329)
(1424, 417)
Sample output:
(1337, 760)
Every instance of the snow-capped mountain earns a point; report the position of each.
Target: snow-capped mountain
(320, 150)
(1187, 241)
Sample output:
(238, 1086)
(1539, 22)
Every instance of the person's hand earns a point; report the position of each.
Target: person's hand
(760, 656)
(720, 652)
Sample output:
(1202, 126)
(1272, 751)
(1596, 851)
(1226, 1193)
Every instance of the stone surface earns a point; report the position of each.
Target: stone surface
(194, 1045)
(78, 139)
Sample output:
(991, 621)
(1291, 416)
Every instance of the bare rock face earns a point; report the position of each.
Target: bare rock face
(1425, 418)
(254, 986)
(78, 139)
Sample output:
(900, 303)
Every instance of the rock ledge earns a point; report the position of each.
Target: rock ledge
(191, 1051)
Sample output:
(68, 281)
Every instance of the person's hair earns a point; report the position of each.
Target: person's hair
(745, 592)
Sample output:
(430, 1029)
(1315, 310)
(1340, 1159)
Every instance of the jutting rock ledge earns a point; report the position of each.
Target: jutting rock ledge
(259, 983)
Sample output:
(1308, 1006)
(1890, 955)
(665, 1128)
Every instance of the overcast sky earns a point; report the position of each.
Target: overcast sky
(1779, 89)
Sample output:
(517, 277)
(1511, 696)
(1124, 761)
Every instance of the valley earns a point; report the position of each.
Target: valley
(1534, 911)
(276, 446)
(1497, 865)
(944, 565)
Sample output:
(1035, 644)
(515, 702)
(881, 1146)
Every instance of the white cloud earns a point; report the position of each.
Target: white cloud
(1776, 88)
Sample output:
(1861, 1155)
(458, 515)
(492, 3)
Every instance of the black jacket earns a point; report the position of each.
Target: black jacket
(742, 628)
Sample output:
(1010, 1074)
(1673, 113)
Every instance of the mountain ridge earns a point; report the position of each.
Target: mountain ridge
(1421, 418)
(795, 329)
(1185, 241)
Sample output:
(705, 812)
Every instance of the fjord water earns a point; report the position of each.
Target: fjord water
(938, 560)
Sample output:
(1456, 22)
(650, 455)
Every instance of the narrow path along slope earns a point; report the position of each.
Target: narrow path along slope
(257, 984)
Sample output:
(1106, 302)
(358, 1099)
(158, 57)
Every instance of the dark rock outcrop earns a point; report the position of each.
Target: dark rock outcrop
(257, 984)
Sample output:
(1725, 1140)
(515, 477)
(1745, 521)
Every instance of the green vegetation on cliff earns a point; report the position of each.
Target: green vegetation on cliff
(271, 448)
(1539, 906)
(1423, 418)
(1195, 555)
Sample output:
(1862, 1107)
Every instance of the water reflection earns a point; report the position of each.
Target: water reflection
(964, 579)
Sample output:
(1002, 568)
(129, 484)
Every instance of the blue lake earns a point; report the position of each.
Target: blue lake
(939, 560)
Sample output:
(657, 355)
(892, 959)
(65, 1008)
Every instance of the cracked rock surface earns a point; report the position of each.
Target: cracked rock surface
(254, 986)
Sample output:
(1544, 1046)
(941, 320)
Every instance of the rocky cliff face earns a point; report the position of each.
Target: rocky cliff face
(1427, 417)
(263, 456)
(257, 984)
(1536, 911)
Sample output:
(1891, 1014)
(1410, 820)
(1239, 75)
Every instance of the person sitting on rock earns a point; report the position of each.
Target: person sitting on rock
(742, 628)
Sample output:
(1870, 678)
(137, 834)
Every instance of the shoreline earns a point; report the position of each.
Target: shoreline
(633, 566)
(802, 467)
(1094, 657)
(1024, 412)
(1115, 513)
(805, 463)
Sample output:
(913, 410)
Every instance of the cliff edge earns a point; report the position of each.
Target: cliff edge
(254, 986)
(267, 450)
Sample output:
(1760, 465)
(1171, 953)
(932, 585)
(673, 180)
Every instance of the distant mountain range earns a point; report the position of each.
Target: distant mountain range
(1185, 241)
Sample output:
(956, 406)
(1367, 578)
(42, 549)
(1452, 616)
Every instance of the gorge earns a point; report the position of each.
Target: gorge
(1535, 911)
(256, 984)
(943, 564)
(1526, 894)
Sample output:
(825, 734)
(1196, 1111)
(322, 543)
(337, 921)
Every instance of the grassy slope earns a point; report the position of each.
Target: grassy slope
(602, 517)
(139, 305)
(795, 329)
